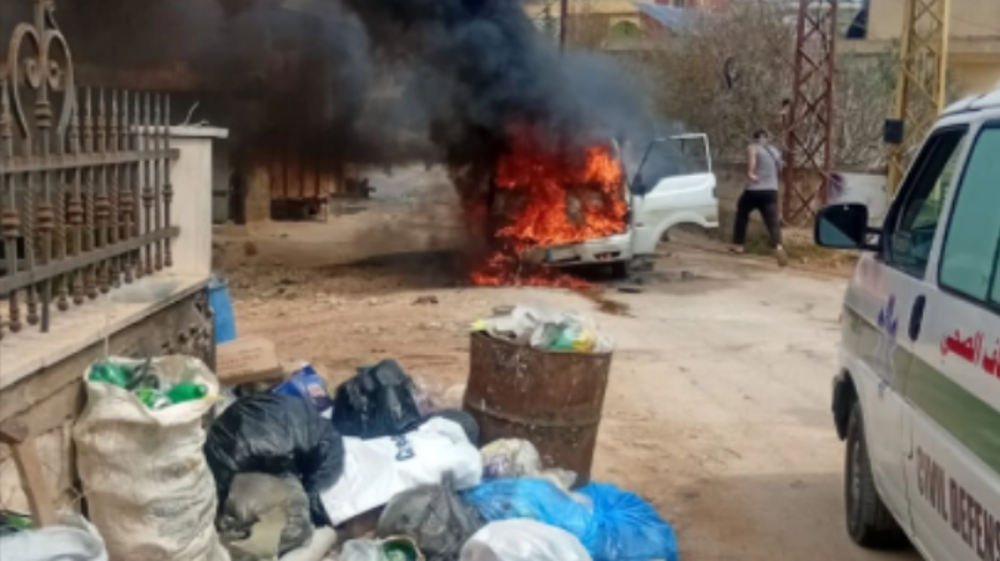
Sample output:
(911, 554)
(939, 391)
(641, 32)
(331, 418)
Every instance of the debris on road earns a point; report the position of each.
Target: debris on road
(630, 289)
(435, 516)
(276, 435)
(390, 549)
(379, 401)
(247, 360)
(612, 524)
(148, 488)
(552, 399)
(397, 464)
(506, 458)
(75, 539)
(306, 383)
(523, 540)
(255, 499)
(378, 469)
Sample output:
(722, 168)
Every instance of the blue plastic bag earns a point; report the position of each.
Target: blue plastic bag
(222, 310)
(626, 527)
(305, 383)
(613, 525)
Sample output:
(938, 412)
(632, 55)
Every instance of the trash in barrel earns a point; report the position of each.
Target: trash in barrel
(553, 399)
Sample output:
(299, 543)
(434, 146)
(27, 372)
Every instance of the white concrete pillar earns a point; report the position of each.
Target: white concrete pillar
(192, 177)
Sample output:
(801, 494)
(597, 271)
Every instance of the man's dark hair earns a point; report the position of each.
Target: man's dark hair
(760, 134)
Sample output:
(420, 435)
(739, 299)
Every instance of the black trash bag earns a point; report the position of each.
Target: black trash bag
(379, 401)
(435, 517)
(467, 422)
(254, 495)
(276, 435)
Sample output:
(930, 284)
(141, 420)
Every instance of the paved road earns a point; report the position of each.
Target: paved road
(719, 410)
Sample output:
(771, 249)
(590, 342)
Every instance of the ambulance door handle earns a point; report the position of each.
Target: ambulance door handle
(917, 317)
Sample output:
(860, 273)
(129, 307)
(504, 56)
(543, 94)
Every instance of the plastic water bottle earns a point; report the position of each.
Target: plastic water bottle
(186, 391)
(110, 373)
(305, 383)
(153, 399)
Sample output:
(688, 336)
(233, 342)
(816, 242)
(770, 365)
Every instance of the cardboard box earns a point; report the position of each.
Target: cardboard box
(247, 360)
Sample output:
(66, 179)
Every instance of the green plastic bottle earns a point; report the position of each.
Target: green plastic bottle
(110, 373)
(187, 391)
(398, 550)
(153, 399)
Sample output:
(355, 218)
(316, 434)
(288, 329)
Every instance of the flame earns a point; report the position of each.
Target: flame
(546, 196)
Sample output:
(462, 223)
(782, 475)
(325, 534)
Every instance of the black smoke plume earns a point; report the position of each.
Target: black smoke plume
(367, 81)
(476, 67)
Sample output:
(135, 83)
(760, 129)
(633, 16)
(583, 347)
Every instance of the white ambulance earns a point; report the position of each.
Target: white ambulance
(918, 397)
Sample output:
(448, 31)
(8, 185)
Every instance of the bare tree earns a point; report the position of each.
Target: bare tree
(728, 73)
(724, 74)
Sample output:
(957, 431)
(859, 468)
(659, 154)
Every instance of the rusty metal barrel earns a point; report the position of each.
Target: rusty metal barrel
(552, 399)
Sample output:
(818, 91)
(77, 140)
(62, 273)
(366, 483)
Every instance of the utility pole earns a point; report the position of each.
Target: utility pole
(548, 23)
(920, 88)
(810, 116)
(562, 24)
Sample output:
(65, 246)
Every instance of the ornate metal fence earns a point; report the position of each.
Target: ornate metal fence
(85, 187)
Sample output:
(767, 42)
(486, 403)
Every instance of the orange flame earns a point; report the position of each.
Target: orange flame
(546, 197)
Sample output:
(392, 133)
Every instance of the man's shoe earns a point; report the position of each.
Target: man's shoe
(782, 256)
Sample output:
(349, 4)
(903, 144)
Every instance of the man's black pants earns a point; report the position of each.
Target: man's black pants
(766, 202)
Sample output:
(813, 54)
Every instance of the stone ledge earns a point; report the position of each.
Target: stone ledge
(31, 351)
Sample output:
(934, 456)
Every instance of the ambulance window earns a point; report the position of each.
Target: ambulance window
(912, 224)
(969, 258)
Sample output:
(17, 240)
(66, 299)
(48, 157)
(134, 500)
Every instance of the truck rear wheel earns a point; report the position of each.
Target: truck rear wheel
(869, 523)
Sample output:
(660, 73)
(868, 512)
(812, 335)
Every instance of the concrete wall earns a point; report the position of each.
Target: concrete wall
(969, 18)
(974, 39)
(50, 400)
(974, 74)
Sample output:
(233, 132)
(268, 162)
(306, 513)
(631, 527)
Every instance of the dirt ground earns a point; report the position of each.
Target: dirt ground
(718, 405)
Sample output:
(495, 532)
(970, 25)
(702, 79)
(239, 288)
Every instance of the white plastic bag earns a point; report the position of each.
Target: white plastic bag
(361, 550)
(514, 457)
(377, 470)
(516, 326)
(523, 540)
(510, 457)
(74, 540)
(148, 487)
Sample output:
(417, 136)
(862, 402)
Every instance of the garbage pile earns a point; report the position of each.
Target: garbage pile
(177, 467)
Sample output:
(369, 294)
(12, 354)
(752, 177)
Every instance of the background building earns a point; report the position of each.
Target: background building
(974, 39)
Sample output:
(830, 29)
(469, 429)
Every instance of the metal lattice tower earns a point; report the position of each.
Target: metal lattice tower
(920, 90)
(810, 129)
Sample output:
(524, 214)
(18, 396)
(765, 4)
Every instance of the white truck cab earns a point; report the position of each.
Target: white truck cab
(918, 396)
(686, 197)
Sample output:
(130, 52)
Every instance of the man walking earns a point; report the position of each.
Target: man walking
(761, 194)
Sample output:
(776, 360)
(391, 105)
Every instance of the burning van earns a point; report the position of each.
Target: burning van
(581, 208)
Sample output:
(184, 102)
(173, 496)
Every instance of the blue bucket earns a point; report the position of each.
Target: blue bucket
(222, 309)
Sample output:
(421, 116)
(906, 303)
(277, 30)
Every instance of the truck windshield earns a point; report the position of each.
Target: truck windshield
(671, 157)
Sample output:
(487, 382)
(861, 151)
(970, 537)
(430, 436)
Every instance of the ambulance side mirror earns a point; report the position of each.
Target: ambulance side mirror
(843, 226)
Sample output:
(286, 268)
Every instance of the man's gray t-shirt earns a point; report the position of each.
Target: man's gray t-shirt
(768, 168)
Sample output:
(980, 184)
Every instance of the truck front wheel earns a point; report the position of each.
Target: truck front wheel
(869, 522)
